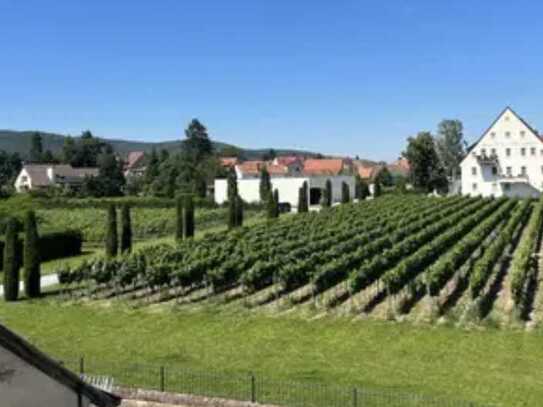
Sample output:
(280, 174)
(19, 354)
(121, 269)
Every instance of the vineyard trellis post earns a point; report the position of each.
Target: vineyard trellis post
(162, 378)
(81, 365)
(253, 387)
(355, 397)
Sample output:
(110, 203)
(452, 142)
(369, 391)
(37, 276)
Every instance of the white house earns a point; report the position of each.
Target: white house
(29, 378)
(41, 176)
(506, 161)
(288, 188)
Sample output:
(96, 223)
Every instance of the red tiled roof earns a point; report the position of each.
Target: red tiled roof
(251, 167)
(288, 159)
(400, 166)
(332, 166)
(229, 161)
(369, 172)
(133, 159)
(275, 169)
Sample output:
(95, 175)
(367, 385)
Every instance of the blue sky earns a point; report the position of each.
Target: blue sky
(347, 77)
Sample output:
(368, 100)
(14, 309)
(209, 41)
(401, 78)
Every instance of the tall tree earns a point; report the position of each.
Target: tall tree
(179, 219)
(10, 166)
(345, 193)
(426, 172)
(327, 194)
(110, 175)
(265, 183)
(232, 184)
(111, 232)
(239, 211)
(36, 148)
(276, 203)
(152, 168)
(232, 214)
(126, 229)
(189, 217)
(377, 188)
(69, 150)
(197, 144)
(450, 146)
(11, 262)
(31, 256)
(302, 198)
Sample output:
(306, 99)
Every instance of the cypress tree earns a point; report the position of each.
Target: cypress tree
(239, 211)
(327, 194)
(232, 213)
(179, 219)
(276, 203)
(189, 217)
(31, 256)
(345, 193)
(11, 263)
(270, 206)
(126, 230)
(364, 189)
(111, 232)
(358, 194)
(265, 184)
(232, 184)
(303, 205)
(376, 188)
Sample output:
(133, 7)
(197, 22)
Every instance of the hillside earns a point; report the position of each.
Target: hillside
(19, 142)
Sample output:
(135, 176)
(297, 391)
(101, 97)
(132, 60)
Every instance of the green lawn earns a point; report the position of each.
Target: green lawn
(493, 366)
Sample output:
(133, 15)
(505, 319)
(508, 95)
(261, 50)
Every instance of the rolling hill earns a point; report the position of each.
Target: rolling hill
(19, 142)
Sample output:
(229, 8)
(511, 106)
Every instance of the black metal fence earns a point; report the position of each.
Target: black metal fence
(253, 388)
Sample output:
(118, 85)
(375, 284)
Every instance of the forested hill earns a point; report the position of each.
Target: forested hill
(19, 142)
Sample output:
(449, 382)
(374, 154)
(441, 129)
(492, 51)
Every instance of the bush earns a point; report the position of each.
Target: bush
(111, 232)
(31, 256)
(11, 263)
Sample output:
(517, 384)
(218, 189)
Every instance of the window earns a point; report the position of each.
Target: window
(522, 133)
(494, 171)
(532, 151)
(522, 170)
(493, 151)
(523, 151)
(506, 118)
(542, 169)
(507, 134)
(473, 170)
(507, 187)
(474, 186)
(508, 171)
(508, 152)
(483, 151)
(493, 134)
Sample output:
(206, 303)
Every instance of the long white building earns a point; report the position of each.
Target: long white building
(506, 161)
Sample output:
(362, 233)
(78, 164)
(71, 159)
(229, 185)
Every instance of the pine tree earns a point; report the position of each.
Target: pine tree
(111, 232)
(31, 256)
(11, 263)
(179, 219)
(265, 183)
(126, 230)
(345, 193)
(189, 217)
(327, 194)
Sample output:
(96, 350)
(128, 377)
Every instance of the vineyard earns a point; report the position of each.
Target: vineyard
(396, 257)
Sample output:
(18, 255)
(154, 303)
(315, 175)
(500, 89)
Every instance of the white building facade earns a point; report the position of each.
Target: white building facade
(288, 188)
(506, 161)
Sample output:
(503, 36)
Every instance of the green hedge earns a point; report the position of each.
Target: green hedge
(134, 202)
(54, 245)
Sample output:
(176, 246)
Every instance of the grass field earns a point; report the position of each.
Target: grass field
(492, 366)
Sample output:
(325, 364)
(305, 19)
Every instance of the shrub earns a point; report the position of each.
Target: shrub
(11, 263)
(111, 233)
(179, 219)
(126, 230)
(31, 256)
(189, 217)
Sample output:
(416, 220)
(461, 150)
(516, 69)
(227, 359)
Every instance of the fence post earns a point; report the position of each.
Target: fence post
(162, 378)
(81, 365)
(355, 397)
(253, 388)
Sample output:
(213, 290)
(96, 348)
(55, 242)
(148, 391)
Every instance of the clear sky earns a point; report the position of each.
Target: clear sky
(348, 77)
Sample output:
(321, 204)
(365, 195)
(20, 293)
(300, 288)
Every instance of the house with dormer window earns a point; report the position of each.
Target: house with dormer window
(507, 160)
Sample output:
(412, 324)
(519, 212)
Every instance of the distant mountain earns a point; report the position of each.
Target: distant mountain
(19, 142)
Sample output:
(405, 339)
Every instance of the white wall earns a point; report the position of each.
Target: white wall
(288, 187)
(508, 132)
(19, 184)
(25, 386)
